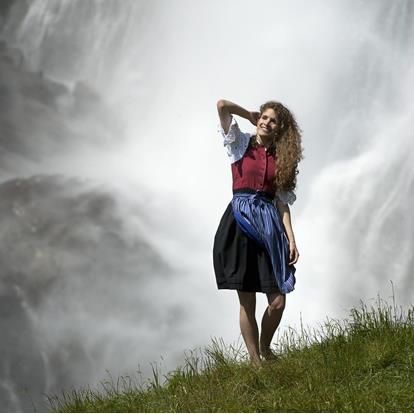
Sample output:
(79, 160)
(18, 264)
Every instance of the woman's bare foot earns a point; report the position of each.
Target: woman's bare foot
(268, 354)
(256, 362)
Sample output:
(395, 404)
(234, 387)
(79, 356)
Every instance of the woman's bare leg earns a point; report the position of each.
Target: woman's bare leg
(270, 321)
(248, 325)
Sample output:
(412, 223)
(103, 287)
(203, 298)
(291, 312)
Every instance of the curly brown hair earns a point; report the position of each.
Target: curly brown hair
(286, 147)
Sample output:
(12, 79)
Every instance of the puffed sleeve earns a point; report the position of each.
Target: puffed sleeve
(235, 141)
(286, 197)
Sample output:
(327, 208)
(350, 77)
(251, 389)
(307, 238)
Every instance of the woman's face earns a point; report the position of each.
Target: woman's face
(266, 124)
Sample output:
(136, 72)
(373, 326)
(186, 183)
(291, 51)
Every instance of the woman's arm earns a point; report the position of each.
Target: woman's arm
(285, 214)
(226, 109)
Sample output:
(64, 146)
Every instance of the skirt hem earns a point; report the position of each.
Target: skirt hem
(247, 289)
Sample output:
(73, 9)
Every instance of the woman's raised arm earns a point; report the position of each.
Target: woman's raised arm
(226, 109)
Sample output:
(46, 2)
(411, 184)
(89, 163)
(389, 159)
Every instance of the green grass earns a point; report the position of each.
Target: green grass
(362, 364)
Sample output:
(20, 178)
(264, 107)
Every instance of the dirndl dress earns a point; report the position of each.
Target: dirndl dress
(251, 248)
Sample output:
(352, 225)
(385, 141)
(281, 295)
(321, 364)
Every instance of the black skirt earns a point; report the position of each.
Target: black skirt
(239, 262)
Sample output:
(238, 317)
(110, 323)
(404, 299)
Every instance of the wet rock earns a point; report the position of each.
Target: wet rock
(69, 268)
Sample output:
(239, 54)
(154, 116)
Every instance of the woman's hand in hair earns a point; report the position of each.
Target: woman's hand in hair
(254, 117)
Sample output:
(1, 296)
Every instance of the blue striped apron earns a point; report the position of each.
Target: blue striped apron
(260, 220)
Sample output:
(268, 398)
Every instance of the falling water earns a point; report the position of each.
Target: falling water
(113, 178)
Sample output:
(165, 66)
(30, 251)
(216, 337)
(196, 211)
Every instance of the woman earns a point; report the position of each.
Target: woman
(254, 247)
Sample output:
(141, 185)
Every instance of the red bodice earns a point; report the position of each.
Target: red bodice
(255, 170)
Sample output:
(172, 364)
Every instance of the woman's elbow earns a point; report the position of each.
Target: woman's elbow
(221, 103)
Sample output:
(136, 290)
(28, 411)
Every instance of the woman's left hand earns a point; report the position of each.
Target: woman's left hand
(293, 253)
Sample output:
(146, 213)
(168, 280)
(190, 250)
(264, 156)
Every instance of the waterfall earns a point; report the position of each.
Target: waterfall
(113, 178)
(360, 201)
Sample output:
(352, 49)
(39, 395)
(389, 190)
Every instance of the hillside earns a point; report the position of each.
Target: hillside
(362, 364)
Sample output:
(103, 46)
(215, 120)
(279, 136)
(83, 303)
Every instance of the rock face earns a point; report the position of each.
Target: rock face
(69, 276)
(5, 7)
(41, 118)
(75, 275)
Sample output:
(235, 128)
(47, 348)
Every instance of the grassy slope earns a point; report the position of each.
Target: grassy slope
(365, 363)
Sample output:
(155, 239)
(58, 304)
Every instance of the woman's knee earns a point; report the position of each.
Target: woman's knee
(277, 303)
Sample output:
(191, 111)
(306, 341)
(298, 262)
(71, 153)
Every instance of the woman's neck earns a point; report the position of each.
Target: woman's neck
(265, 141)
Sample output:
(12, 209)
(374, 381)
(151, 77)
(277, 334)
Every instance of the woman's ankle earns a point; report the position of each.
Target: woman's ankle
(263, 347)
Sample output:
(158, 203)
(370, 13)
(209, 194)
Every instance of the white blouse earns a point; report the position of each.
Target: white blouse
(236, 143)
